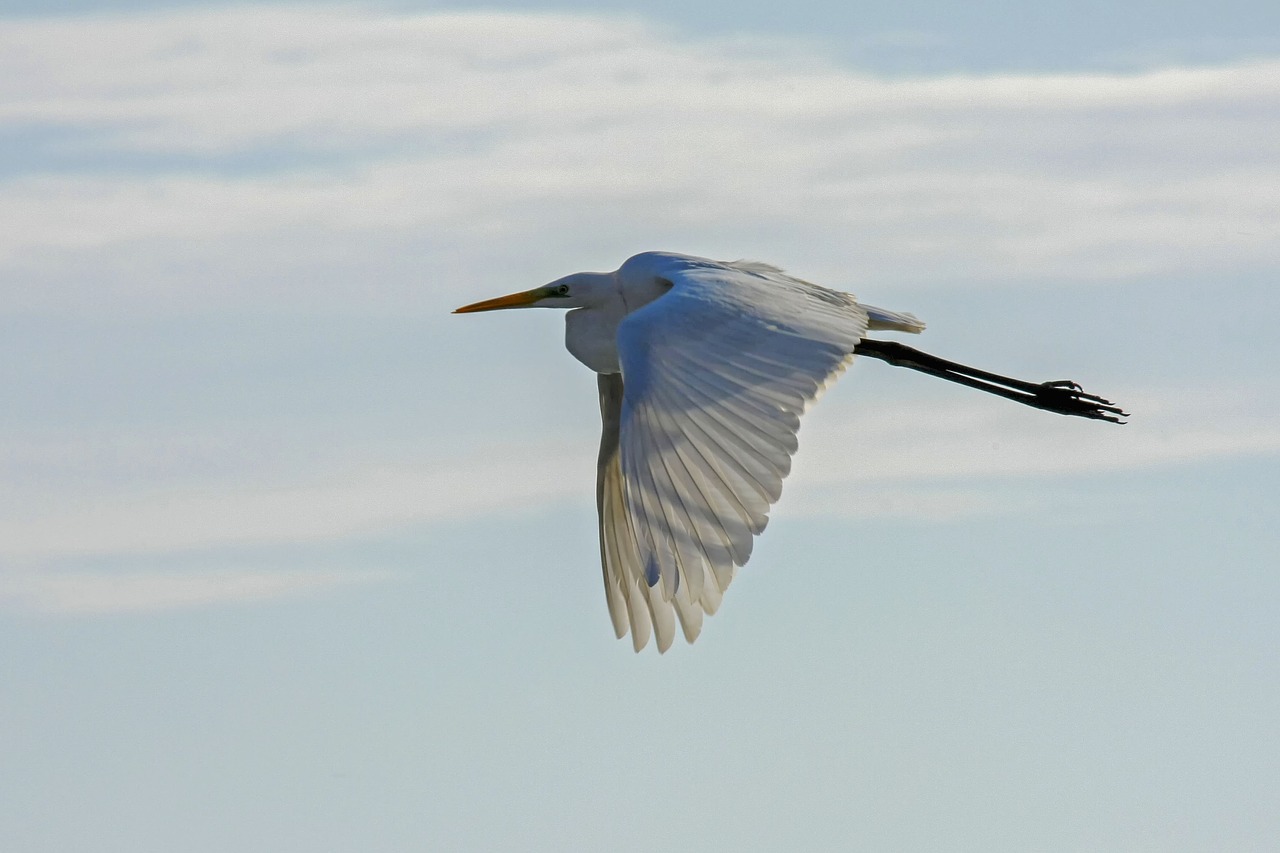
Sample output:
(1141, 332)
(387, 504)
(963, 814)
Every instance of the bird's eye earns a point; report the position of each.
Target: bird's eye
(562, 290)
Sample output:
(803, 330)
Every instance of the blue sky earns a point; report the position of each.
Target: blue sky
(292, 559)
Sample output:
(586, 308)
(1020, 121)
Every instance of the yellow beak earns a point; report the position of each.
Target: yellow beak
(515, 300)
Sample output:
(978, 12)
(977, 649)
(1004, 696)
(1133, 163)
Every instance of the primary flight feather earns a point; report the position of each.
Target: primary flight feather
(705, 368)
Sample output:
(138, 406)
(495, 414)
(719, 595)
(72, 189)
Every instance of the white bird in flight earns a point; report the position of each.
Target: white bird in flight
(704, 369)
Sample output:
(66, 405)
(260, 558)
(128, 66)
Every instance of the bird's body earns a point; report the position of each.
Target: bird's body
(705, 368)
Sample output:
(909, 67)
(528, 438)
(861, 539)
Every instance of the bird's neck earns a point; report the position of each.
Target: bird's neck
(591, 336)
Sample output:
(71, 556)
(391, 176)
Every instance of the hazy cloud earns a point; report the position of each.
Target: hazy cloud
(340, 506)
(80, 592)
(922, 441)
(262, 159)
(187, 129)
(899, 460)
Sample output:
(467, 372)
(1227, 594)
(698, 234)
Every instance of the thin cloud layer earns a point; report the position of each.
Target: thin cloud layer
(189, 129)
(280, 161)
(353, 504)
(901, 461)
(926, 442)
(85, 593)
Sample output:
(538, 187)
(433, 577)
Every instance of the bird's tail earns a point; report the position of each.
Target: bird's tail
(880, 320)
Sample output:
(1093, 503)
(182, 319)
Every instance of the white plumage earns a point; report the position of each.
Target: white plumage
(705, 369)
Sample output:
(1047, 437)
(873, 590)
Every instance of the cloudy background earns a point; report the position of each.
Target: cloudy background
(292, 559)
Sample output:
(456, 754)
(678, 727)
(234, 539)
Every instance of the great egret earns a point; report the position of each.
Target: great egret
(704, 370)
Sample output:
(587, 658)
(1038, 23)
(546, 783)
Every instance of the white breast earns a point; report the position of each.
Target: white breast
(591, 336)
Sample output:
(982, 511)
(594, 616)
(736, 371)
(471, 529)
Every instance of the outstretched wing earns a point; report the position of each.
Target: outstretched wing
(717, 373)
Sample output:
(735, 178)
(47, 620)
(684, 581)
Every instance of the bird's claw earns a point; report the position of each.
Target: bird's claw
(1068, 398)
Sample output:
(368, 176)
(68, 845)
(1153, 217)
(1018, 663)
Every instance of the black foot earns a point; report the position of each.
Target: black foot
(1064, 396)
(1067, 398)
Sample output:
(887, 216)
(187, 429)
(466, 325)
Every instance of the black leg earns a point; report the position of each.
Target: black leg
(1063, 397)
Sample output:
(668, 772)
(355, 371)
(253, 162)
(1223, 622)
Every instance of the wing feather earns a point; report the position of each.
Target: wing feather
(697, 442)
(763, 433)
(741, 479)
(617, 551)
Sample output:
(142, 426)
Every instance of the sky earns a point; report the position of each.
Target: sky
(292, 559)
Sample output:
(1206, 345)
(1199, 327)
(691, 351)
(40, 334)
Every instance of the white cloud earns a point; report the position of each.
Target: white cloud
(919, 459)
(80, 593)
(341, 506)
(253, 158)
(871, 500)
(912, 459)
(477, 130)
(918, 441)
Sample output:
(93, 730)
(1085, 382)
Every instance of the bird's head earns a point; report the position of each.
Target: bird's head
(580, 290)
